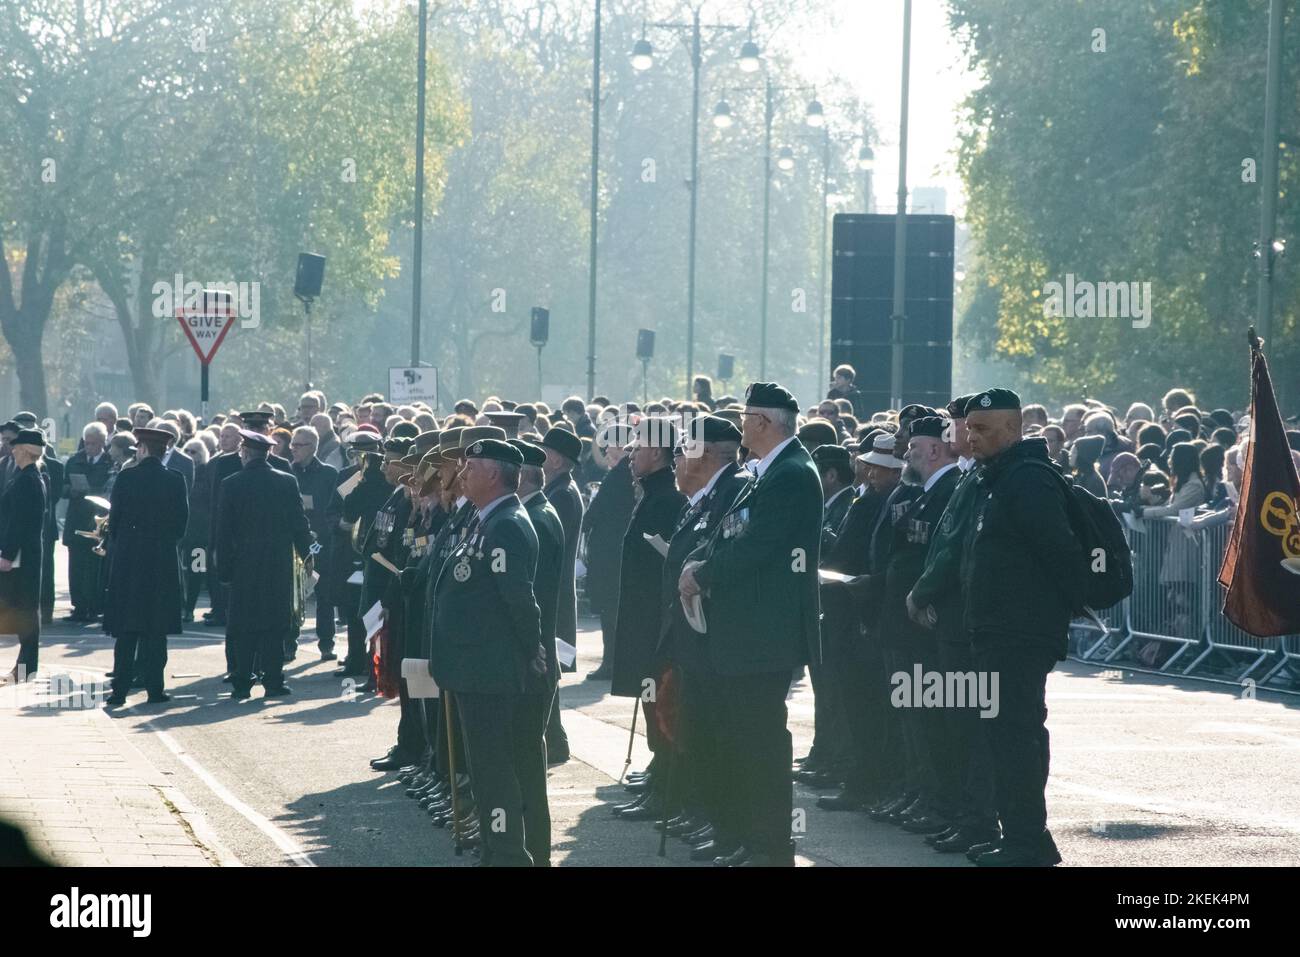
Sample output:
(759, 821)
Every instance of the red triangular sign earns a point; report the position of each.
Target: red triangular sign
(206, 328)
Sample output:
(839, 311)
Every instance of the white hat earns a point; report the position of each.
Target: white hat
(882, 452)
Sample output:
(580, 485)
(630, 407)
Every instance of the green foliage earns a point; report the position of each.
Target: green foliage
(1123, 165)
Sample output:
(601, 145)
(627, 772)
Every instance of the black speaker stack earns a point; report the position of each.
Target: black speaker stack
(862, 293)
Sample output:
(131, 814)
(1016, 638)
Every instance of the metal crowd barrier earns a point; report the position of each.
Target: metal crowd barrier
(1176, 601)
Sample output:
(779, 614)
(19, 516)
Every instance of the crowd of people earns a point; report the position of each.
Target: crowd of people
(723, 544)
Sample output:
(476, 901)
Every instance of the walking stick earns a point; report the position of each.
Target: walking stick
(631, 739)
(451, 767)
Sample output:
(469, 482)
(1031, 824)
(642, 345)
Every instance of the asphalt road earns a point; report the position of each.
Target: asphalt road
(1146, 771)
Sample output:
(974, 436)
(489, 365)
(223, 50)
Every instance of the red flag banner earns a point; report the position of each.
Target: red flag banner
(1261, 565)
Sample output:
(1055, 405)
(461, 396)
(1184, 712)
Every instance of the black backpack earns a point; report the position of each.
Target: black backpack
(1107, 572)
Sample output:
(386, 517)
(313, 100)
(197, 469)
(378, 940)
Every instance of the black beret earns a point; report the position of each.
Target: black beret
(957, 407)
(405, 430)
(769, 395)
(818, 432)
(29, 437)
(714, 428)
(916, 411)
(496, 449)
(564, 442)
(533, 454)
(833, 455)
(929, 425)
(991, 399)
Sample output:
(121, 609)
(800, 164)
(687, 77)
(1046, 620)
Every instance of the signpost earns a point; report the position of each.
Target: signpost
(206, 328)
(418, 384)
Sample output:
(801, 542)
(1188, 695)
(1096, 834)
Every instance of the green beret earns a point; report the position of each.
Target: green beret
(992, 399)
(496, 449)
(929, 425)
(770, 395)
(533, 454)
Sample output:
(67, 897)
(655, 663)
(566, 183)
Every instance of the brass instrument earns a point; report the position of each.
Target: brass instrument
(301, 589)
(100, 532)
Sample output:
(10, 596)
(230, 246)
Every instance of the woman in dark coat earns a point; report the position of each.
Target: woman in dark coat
(148, 516)
(605, 522)
(22, 519)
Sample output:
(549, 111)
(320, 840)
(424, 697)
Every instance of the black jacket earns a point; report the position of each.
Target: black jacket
(487, 626)
(1016, 585)
(22, 520)
(261, 525)
(640, 600)
(149, 514)
(907, 561)
(546, 584)
(833, 514)
(678, 641)
(605, 522)
(562, 493)
(80, 515)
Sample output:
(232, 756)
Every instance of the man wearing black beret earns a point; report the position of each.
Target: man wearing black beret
(1018, 601)
(758, 579)
(488, 648)
(563, 449)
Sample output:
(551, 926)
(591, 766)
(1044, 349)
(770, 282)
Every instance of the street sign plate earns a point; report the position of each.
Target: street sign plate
(413, 385)
(206, 327)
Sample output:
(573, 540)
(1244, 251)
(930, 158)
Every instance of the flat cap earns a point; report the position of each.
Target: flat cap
(770, 395)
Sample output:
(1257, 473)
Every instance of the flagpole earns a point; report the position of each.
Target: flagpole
(1268, 209)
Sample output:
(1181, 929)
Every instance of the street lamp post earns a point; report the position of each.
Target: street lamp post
(642, 59)
(595, 183)
(866, 162)
(900, 228)
(418, 253)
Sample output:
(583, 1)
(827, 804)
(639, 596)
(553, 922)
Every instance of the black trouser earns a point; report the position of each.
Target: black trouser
(216, 590)
(875, 772)
(557, 739)
(698, 754)
(918, 772)
(139, 655)
(1018, 739)
(444, 749)
(47, 571)
(265, 647)
(758, 752)
(194, 582)
(27, 624)
(83, 577)
(495, 726)
(358, 659)
(410, 723)
(530, 767)
(968, 760)
(608, 622)
(430, 710)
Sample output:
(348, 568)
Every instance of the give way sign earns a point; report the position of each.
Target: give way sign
(206, 325)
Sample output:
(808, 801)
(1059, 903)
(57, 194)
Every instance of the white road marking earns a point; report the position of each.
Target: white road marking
(277, 836)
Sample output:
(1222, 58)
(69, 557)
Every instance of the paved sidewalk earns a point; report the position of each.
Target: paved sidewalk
(83, 793)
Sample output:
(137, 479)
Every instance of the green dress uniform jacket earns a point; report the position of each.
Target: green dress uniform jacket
(487, 626)
(939, 586)
(546, 586)
(759, 571)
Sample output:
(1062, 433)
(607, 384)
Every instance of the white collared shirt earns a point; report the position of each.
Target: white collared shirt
(530, 496)
(861, 489)
(491, 506)
(167, 457)
(765, 462)
(965, 463)
(708, 487)
(929, 483)
(460, 502)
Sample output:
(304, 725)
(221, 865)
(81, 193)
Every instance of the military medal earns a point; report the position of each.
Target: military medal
(462, 570)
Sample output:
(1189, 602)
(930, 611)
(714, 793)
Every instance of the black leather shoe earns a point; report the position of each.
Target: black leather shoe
(976, 850)
(702, 836)
(328, 656)
(160, 698)
(925, 824)
(882, 810)
(935, 838)
(114, 701)
(963, 841)
(283, 691)
(603, 673)
(904, 814)
(240, 694)
(844, 801)
(638, 787)
(390, 762)
(227, 680)
(1005, 856)
(559, 756)
(734, 859)
(643, 812)
(710, 850)
(682, 828)
(641, 801)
